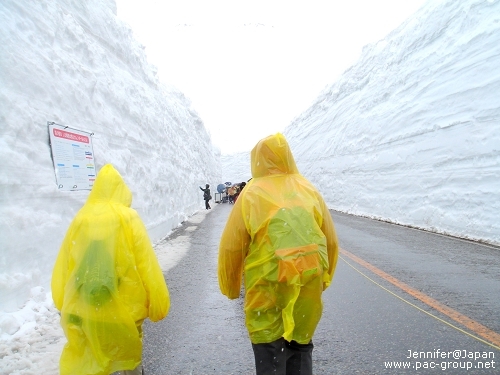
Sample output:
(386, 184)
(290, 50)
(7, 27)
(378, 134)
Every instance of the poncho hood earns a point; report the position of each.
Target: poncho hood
(109, 186)
(272, 155)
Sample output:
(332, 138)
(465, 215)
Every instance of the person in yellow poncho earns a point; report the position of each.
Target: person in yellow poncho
(281, 237)
(106, 281)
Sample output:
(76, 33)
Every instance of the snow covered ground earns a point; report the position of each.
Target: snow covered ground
(409, 134)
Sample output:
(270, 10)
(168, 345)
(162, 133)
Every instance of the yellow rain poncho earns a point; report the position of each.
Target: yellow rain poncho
(106, 281)
(280, 234)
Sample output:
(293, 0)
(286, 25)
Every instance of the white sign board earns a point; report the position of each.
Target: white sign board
(73, 157)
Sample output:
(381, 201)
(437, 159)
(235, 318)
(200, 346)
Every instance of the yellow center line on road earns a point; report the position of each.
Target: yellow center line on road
(491, 336)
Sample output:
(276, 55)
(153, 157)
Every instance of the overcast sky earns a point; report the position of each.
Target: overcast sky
(250, 68)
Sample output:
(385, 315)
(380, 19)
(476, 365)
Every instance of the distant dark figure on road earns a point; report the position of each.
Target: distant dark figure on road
(281, 236)
(106, 281)
(206, 196)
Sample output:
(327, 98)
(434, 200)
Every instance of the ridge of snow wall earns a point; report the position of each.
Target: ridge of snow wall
(410, 134)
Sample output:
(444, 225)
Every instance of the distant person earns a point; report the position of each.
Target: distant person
(206, 196)
(240, 188)
(232, 193)
(106, 281)
(280, 236)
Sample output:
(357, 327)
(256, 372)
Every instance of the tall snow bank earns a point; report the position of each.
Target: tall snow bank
(75, 63)
(411, 132)
(236, 167)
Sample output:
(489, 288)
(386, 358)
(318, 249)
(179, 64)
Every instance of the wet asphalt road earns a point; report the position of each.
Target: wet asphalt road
(364, 325)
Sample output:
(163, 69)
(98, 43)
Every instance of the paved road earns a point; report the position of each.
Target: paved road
(364, 326)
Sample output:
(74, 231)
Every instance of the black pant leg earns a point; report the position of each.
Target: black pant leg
(270, 358)
(299, 358)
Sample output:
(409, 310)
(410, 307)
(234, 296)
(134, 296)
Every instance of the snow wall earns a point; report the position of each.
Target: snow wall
(411, 133)
(75, 63)
(236, 167)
